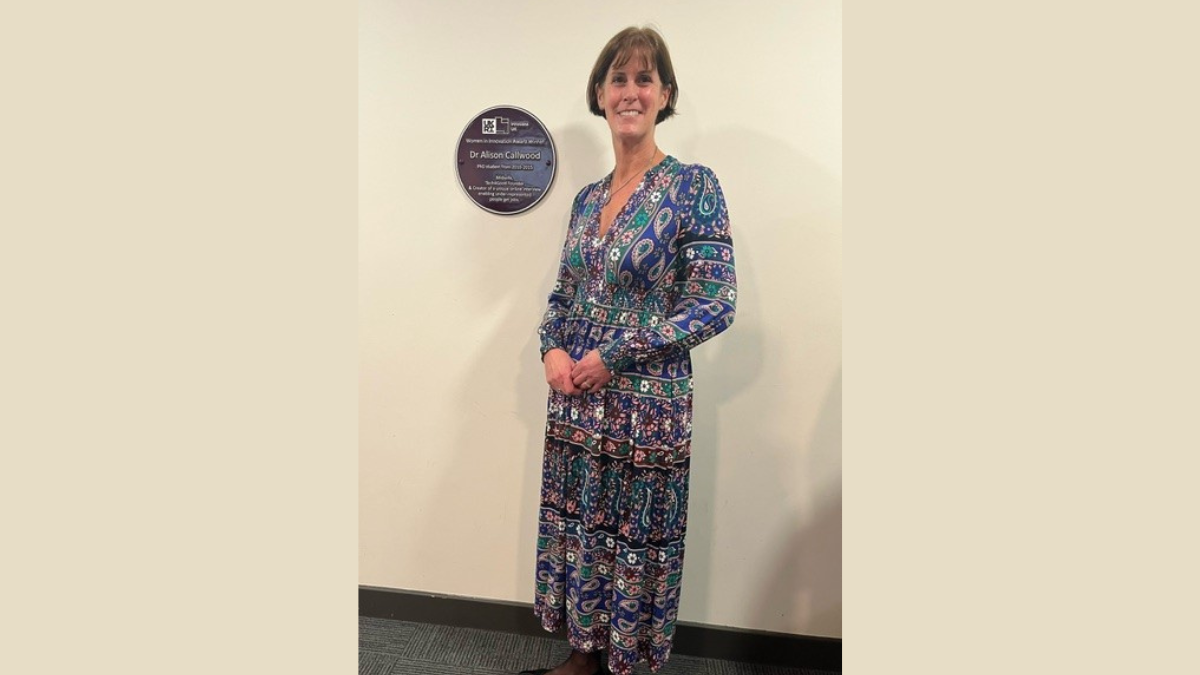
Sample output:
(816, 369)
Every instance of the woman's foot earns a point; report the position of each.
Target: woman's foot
(579, 663)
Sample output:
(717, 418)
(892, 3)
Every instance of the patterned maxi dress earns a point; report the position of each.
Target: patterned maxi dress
(613, 510)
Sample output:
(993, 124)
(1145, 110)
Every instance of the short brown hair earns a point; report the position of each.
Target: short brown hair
(649, 44)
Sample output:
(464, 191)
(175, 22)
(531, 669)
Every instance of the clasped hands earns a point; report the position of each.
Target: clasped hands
(575, 378)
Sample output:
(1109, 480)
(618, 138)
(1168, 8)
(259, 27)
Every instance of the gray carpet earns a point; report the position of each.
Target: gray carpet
(390, 647)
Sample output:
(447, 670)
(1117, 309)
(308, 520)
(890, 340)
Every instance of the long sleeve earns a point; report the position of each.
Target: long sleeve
(705, 286)
(562, 296)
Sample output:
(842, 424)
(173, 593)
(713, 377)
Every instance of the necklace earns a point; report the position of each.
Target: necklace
(608, 197)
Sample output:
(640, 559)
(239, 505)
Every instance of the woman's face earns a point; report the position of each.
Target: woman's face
(631, 97)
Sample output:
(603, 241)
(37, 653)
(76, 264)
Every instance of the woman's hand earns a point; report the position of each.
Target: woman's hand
(589, 373)
(558, 365)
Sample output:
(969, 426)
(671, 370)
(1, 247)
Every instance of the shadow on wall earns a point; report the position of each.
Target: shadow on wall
(780, 200)
(806, 576)
(723, 368)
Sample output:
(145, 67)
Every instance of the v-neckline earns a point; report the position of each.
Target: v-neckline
(602, 237)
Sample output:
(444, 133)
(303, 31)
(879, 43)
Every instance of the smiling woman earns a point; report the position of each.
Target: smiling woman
(645, 275)
(647, 49)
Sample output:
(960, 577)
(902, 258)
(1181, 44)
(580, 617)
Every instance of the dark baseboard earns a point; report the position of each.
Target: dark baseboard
(710, 642)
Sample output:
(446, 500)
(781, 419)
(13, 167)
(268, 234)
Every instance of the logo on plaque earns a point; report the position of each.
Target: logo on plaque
(495, 125)
(506, 160)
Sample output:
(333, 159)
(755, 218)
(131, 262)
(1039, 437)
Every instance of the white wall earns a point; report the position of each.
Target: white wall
(452, 399)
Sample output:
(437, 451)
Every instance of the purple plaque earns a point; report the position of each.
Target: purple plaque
(506, 160)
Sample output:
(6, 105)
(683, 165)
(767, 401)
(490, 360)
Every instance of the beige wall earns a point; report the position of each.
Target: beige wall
(452, 397)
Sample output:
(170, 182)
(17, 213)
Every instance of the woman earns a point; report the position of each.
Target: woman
(645, 275)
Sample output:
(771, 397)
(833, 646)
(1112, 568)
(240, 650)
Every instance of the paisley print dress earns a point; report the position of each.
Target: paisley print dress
(613, 507)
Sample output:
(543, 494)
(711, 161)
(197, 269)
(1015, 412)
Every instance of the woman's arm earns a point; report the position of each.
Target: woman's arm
(705, 286)
(552, 329)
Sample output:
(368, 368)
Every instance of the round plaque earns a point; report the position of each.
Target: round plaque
(506, 160)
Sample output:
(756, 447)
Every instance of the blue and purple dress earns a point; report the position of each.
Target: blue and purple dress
(615, 467)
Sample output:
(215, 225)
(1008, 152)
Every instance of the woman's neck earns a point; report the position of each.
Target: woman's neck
(634, 159)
